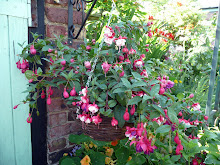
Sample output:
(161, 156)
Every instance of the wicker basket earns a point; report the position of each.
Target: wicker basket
(105, 132)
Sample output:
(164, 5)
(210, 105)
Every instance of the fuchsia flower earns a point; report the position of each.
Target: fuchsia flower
(125, 50)
(84, 91)
(114, 122)
(109, 35)
(96, 119)
(191, 95)
(15, 107)
(144, 73)
(32, 50)
(121, 58)
(139, 63)
(65, 93)
(122, 74)
(106, 67)
(93, 108)
(84, 99)
(50, 50)
(87, 64)
(139, 139)
(150, 34)
(29, 119)
(132, 51)
(196, 107)
(120, 41)
(126, 115)
(88, 47)
(132, 111)
(73, 92)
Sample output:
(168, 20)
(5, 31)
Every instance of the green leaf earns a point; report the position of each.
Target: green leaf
(180, 96)
(28, 74)
(102, 86)
(155, 90)
(64, 75)
(119, 90)
(138, 84)
(159, 109)
(70, 75)
(175, 158)
(118, 114)
(122, 154)
(172, 115)
(137, 160)
(163, 129)
(37, 59)
(39, 71)
(67, 161)
(146, 97)
(126, 83)
(134, 100)
(136, 75)
(97, 157)
(45, 48)
(112, 103)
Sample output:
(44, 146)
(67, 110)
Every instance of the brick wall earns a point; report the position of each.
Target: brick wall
(61, 119)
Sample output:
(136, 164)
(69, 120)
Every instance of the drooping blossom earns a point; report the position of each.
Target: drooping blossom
(96, 119)
(139, 63)
(191, 95)
(120, 42)
(132, 51)
(126, 115)
(144, 73)
(196, 107)
(114, 122)
(87, 64)
(93, 108)
(106, 67)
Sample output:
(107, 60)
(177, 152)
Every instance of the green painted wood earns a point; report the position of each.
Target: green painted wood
(214, 67)
(6, 117)
(15, 134)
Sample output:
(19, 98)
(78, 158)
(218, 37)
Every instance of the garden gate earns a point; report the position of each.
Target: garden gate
(15, 136)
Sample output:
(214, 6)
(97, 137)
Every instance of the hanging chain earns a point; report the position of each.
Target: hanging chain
(100, 46)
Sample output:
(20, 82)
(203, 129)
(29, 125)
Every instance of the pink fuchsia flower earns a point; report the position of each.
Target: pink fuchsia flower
(109, 32)
(48, 100)
(15, 107)
(84, 99)
(114, 122)
(180, 114)
(88, 119)
(82, 117)
(63, 62)
(178, 149)
(206, 117)
(147, 45)
(144, 73)
(128, 61)
(88, 47)
(30, 81)
(132, 51)
(43, 95)
(106, 67)
(125, 50)
(109, 41)
(32, 50)
(72, 60)
(121, 58)
(93, 108)
(122, 74)
(142, 56)
(87, 64)
(191, 95)
(184, 121)
(150, 34)
(65, 93)
(161, 91)
(29, 119)
(177, 139)
(73, 92)
(147, 50)
(120, 41)
(118, 28)
(196, 107)
(96, 119)
(132, 111)
(50, 50)
(139, 63)
(18, 64)
(84, 92)
(126, 115)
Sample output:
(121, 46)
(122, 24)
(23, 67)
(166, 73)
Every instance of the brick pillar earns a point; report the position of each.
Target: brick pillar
(61, 119)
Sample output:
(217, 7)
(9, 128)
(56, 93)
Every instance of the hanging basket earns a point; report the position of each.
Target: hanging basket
(105, 131)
